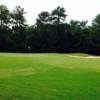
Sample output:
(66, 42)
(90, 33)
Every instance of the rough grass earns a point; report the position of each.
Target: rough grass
(48, 77)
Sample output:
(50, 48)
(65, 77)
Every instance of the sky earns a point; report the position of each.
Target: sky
(75, 9)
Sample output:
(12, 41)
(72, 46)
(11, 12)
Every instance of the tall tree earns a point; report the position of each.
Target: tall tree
(4, 15)
(43, 18)
(5, 31)
(42, 30)
(96, 21)
(58, 15)
(18, 17)
(57, 20)
(19, 28)
(95, 35)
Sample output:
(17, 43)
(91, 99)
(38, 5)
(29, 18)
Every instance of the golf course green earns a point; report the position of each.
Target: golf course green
(49, 76)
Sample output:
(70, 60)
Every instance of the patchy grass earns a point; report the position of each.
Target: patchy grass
(48, 77)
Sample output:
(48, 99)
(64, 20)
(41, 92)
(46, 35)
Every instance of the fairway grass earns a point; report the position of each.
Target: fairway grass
(48, 77)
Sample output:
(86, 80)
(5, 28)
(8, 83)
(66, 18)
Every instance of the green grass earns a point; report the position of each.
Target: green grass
(48, 77)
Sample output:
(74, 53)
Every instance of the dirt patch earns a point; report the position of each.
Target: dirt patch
(21, 71)
(13, 72)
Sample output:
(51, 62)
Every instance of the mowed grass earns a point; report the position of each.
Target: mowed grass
(48, 77)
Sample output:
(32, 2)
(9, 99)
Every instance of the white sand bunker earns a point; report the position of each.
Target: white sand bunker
(83, 57)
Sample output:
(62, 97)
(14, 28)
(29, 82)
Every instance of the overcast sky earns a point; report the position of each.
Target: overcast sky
(76, 9)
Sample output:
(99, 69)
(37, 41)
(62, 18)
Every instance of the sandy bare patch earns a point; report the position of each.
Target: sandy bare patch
(83, 57)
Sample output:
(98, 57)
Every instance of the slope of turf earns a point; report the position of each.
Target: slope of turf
(48, 77)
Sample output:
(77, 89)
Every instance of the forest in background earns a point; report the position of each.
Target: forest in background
(50, 33)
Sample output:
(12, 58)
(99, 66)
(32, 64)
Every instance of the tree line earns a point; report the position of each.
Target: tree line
(50, 33)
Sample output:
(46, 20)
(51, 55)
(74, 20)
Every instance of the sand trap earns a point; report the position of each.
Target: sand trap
(84, 57)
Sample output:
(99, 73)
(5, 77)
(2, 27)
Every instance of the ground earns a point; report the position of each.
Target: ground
(49, 77)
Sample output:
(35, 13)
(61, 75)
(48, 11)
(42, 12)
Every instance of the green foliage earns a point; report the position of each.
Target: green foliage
(50, 33)
(43, 18)
(18, 16)
(4, 15)
(96, 21)
(58, 15)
